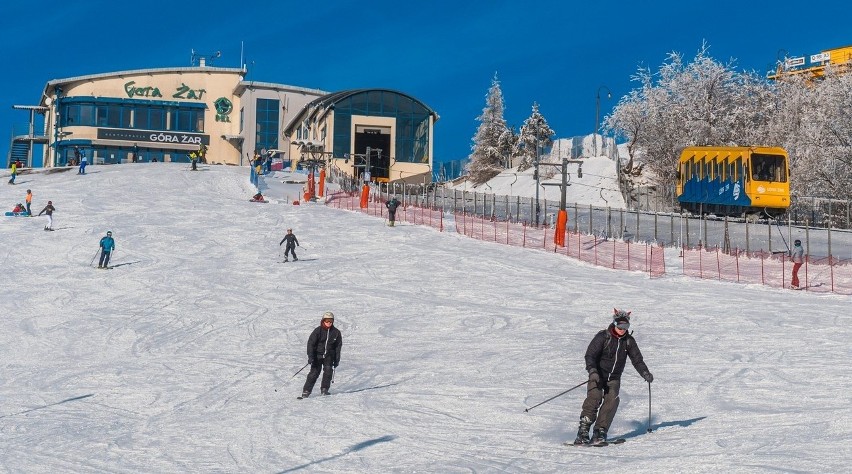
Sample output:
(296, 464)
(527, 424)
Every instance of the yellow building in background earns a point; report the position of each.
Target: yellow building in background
(814, 66)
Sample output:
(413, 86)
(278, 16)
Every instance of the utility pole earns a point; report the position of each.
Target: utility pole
(562, 219)
(537, 178)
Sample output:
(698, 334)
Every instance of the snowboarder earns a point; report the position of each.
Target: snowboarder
(48, 209)
(29, 201)
(798, 258)
(323, 354)
(83, 162)
(292, 243)
(392, 205)
(606, 357)
(107, 246)
(19, 208)
(14, 172)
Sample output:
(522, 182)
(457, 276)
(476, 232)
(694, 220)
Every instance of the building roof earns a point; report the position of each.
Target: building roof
(243, 85)
(48, 88)
(322, 105)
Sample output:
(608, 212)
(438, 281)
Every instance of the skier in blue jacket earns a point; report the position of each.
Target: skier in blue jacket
(107, 246)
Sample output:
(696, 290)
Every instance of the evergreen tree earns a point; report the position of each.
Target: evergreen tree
(534, 133)
(488, 153)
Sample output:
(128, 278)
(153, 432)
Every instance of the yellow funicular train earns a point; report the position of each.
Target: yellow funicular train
(734, 181)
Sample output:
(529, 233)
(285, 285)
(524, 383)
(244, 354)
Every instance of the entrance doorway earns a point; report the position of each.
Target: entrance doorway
(376, 138)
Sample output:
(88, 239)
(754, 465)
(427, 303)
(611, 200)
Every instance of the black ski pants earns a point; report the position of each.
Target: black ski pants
(323, 365)
(601, 402)
(290, 249)
(392, 216)
(104, 261)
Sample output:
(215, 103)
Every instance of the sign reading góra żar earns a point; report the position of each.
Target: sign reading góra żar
(181, 92)
(175, 138)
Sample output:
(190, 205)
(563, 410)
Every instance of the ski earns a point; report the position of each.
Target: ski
(597, 445)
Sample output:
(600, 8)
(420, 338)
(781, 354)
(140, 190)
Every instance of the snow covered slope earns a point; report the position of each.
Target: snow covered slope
(181, 358)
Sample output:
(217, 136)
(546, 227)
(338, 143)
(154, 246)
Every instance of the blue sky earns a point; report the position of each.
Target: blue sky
(556, 53)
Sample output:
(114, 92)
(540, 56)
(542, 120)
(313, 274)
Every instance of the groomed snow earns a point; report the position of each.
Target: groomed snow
(181, 358)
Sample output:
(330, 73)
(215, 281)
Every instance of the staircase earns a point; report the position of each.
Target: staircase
(20, 151)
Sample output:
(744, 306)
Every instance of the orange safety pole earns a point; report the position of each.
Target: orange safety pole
(365, 195)
(322, 183)
(561, 223)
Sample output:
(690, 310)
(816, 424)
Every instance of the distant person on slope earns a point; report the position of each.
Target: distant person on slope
(292, 243)
(392, 205)
(29, 201)
(107, 246)
(83, 162)
(606, 357)
(48, 209)
(14, 168)
(798, 258)
(323, 354)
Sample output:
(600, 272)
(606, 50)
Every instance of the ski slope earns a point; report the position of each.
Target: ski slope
(181, 358)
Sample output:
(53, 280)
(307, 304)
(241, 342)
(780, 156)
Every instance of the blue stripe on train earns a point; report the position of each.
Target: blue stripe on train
(723, 193)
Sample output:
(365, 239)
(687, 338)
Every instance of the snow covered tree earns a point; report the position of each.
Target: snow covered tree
(535, 132)
(813, 120)
(488, 156)
(702, 102)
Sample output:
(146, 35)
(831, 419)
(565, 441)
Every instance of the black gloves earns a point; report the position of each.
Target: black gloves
(593, 376)
(335, 364)
(648, 377)
(310, 361)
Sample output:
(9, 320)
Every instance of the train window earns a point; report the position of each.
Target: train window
(738, 165)
(769, 168)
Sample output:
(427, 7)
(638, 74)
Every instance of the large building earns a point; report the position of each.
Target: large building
(813, 66)
(164, 114)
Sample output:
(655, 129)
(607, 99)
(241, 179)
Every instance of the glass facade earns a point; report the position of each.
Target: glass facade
(90, 112)
(267, 125)
(412, 122)
(110, 155)
(161, 116)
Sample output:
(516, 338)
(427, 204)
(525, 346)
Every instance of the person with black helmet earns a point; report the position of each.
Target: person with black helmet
(48, 209)
(107, 246)
(323, 354)
(292, 243)
(797, 255)
(392, 205)
(606, 357)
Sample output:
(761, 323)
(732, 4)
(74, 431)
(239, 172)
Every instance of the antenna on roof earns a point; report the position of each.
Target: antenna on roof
(200, 59)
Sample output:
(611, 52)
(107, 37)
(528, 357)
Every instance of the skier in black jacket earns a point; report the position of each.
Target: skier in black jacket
(392, 205)
(605, 360)
(323, 354)
(292, 243)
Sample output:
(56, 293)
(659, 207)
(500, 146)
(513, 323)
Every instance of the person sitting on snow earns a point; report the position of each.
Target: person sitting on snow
(19, 208)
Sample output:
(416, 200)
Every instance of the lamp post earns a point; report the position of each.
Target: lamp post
(598, 113)
(781, 61)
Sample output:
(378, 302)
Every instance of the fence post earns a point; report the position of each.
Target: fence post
(671, 228)
(591, 232)
(746, 229)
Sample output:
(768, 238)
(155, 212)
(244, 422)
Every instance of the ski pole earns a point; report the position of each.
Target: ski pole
(649, 407)
(94, 257)
(303, 368)
(333, 370)
(557, 396)
(297, 373)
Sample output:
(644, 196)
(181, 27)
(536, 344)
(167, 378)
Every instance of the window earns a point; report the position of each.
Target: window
(267, 124)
